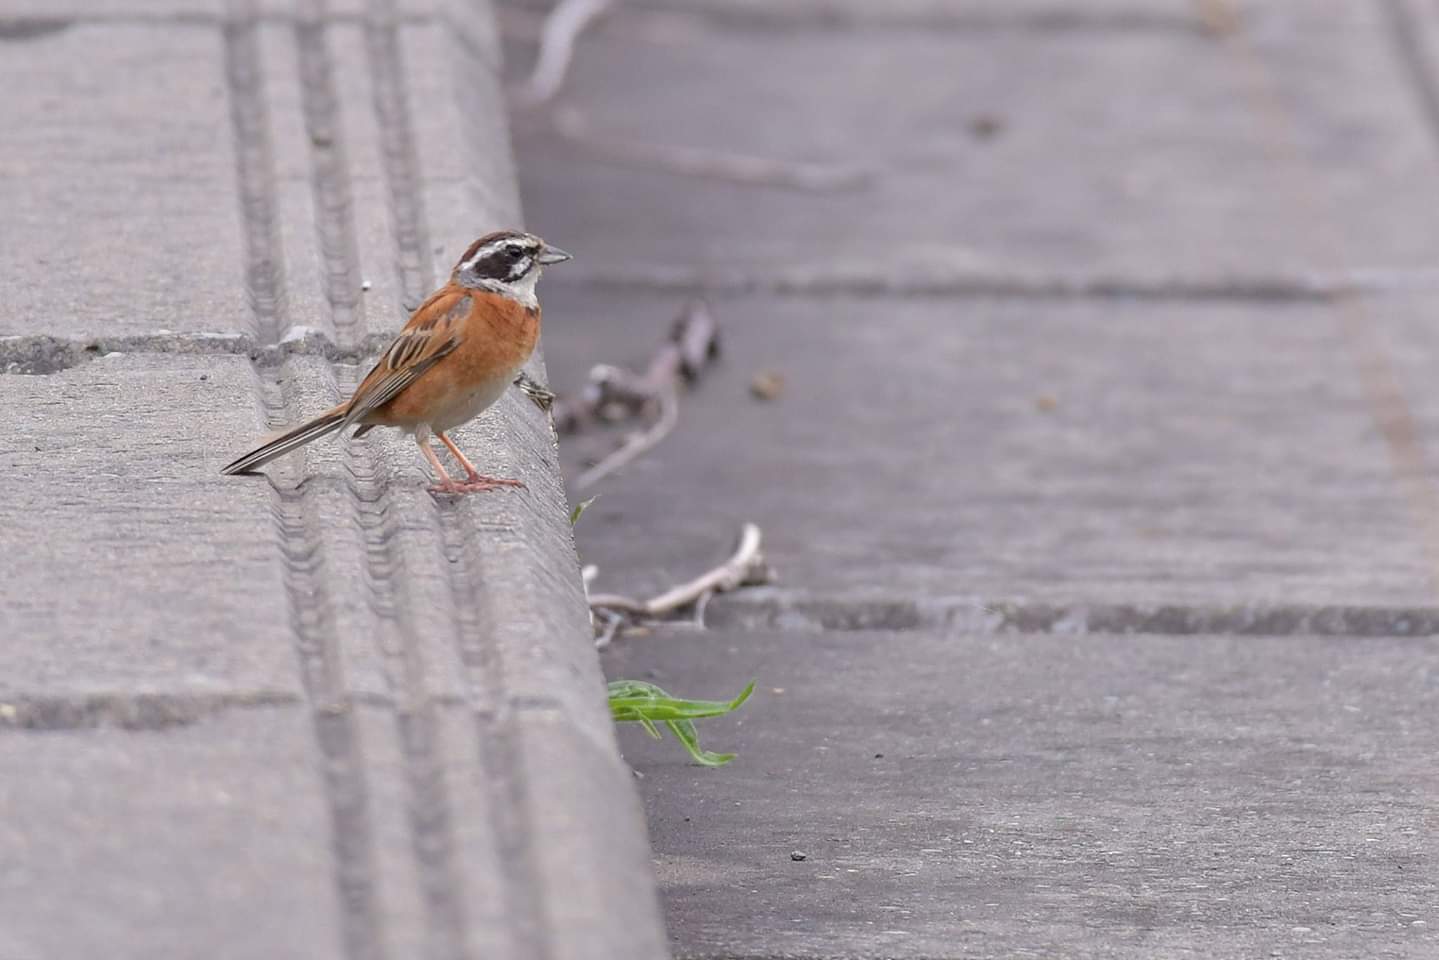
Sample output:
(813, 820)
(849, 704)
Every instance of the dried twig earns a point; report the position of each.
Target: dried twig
(557, 49)
(745, 567)
(701, 605)
(636, 443)
(618, 604)
(615, 394)
(732, 167)
(613, 622)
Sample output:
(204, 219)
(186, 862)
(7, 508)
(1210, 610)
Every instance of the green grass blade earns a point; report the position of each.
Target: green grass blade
(580, 509)
(635, 701)
(685, 732)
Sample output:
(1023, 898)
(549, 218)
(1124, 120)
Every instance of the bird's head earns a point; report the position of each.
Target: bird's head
(507, 262)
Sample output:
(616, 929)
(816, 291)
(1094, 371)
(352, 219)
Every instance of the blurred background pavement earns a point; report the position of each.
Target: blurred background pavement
(1100, 483)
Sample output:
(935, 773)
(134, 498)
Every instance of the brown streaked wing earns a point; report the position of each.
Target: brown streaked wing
(430, 336)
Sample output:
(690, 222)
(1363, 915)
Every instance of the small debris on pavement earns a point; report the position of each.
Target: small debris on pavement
(986, 126)
(798, 855)
(1219, 17)
(767, 385)
(1046, 403)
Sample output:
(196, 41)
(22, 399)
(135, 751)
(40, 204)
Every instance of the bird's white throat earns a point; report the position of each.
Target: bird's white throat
(522, 291)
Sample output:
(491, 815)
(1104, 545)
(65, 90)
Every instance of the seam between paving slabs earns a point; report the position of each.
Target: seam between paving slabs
(1054, 16)
(780, 609)
(30, 354)
(840, 278)
(1002, 15)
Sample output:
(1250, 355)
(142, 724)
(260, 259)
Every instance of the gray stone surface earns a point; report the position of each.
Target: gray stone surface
(318, 713)
(1208, 442)
(147, 843)
(1047, 796)
(1131, 154)
(1129, 332)
(82, 148)
(131, 564)
(1207, 454)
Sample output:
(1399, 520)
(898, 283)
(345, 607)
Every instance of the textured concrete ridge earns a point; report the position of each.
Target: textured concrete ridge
(320, 713)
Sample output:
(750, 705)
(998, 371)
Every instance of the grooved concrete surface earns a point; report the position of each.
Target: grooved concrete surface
(316, 715)
(1101, 485)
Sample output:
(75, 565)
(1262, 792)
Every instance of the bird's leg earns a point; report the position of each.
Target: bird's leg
(447, 483)
(474, 480)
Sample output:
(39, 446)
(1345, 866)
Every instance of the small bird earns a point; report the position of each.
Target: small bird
(461, 349)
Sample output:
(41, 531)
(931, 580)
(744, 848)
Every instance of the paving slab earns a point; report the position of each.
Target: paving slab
(961, 796)
(131, 565)
(1138, 156)
(145, 844)
(1082, 452)
(80, 150)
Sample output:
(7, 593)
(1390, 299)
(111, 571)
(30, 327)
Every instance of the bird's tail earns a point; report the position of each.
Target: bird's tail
(327, 422)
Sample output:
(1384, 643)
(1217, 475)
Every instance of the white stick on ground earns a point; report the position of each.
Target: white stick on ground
(745, 567)
(637, 443)
(557, 48)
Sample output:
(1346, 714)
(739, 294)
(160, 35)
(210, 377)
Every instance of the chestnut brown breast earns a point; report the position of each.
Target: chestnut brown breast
(495, 337)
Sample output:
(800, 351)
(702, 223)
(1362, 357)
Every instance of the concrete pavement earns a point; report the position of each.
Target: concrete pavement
(1038, 795)
(319, 714)
(1101, 483)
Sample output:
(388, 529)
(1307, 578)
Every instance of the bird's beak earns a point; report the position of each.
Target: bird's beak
(551, 255)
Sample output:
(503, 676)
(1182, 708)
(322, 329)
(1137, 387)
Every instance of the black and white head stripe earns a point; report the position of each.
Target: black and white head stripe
(508, 263)
(505, 256)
